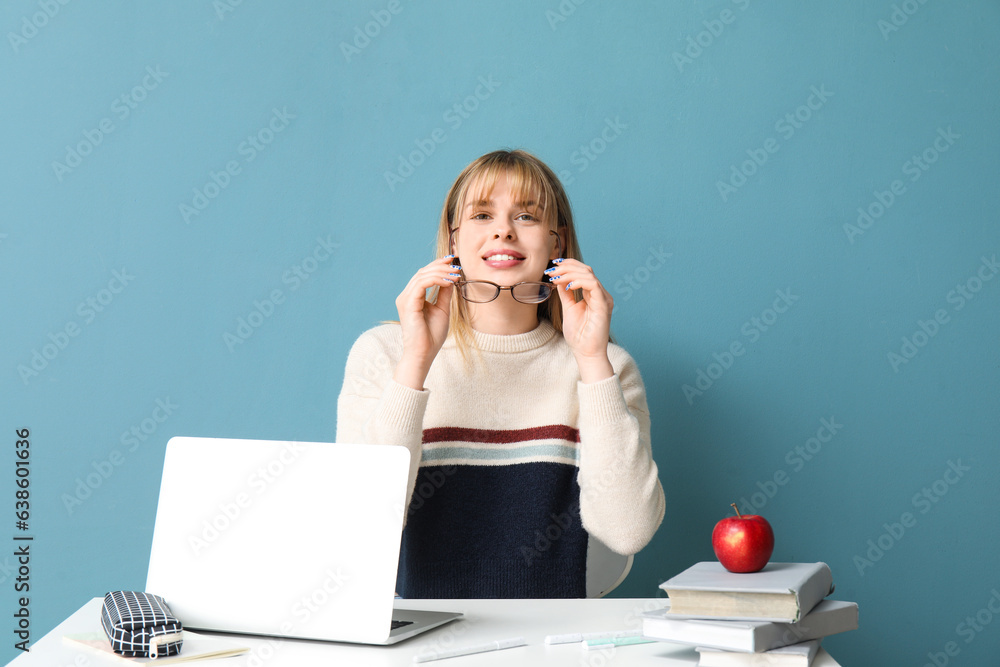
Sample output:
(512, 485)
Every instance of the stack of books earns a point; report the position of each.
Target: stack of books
(777, 616)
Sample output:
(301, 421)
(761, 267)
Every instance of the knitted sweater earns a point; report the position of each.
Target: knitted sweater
(514, 461)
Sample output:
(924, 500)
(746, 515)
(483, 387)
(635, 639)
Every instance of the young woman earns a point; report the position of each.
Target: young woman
(528, 429)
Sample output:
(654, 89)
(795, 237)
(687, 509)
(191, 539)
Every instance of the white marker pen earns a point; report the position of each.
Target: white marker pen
(469, 650)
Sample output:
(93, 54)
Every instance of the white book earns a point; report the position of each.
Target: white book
(796, 655)
(195, 647)
(829, 617)
(783, 592)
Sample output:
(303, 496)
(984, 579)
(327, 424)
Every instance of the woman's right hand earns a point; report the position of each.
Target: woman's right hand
(425, 324)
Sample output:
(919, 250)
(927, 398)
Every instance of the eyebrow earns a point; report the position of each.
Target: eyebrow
(488, 203)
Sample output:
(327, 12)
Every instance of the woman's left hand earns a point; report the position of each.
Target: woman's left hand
(586, 323)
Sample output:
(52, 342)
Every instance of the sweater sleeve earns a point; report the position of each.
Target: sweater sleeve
(621, 498)
(375, 409)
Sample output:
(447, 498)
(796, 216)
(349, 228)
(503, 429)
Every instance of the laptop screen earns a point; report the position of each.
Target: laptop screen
(279, 538)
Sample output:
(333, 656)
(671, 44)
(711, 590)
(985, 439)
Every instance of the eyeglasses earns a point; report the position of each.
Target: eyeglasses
(483, 291)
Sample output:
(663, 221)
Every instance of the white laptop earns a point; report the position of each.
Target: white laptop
(288, 539)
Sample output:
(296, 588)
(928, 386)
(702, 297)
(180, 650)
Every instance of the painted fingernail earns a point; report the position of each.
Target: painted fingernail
(453, 267)
(558, 260)
(549, 270)
(448, 257)
(568, 286)
(455, 275)
(554, 278)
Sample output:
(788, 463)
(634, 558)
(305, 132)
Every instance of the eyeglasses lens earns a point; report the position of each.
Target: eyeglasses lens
(531, 292)
(478, 292)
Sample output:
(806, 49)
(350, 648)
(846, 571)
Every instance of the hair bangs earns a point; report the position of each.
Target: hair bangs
(528, 185)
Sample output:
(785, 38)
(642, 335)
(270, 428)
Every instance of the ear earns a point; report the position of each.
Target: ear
(560, 246)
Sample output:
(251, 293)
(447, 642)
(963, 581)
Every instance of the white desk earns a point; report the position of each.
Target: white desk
(485, 620)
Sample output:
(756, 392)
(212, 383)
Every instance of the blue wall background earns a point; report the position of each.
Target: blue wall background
(717, 155)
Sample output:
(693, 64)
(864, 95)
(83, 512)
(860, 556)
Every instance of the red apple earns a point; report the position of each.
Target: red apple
(743, 543)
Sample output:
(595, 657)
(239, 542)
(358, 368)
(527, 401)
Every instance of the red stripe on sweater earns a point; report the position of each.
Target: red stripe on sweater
(458, 434)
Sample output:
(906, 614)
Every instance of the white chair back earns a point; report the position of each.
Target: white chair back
(605, 569)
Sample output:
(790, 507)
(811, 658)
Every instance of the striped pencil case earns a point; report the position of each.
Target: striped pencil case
(140, 625)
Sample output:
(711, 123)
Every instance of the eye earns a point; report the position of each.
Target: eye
(527, 217)
(480, 216)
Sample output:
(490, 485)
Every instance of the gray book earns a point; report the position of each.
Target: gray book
(829, 617)
(783, 592)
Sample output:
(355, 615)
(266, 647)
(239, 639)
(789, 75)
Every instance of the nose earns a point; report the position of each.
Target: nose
(504, 229)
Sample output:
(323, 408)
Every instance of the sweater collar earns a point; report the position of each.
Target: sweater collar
(535, 338)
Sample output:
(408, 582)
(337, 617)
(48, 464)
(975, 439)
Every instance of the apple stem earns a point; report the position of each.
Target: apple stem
(738, 515)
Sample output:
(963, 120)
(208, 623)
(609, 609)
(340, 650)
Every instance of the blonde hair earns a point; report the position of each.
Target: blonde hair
(528, 179)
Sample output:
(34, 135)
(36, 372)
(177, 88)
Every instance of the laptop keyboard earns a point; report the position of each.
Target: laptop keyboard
(399, 624)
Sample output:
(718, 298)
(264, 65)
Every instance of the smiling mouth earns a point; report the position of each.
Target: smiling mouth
(502, 258)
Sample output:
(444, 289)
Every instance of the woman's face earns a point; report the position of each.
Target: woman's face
(503, 240)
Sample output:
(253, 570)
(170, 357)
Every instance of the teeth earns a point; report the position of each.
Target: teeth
(500, 258)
